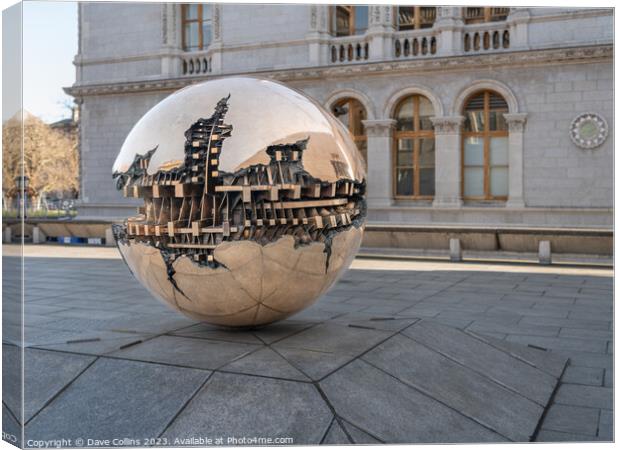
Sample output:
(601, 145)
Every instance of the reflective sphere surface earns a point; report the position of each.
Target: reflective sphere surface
(253, 201)
(261, 112)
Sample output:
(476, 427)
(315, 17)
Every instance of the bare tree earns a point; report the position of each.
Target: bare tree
(50, 157)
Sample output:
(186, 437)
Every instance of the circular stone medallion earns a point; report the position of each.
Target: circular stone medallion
(588, 130)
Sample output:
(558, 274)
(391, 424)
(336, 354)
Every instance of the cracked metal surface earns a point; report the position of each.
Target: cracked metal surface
(244, 247)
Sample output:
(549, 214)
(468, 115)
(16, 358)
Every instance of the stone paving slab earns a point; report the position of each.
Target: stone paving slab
(572, 419)
(45, 374)
(266, 362)
(281, 330)
(584, 375)
(325, 348)
(394, 412)
(335, 338)
(206, 331)
(558, 436)
(358, 436)
(315, 365)
(480, 398)
(116, 399)
(606, 425)
(239, 406)
(96, 343)
(335, 435)
(483, 358)
(590, 396)
(546, 361)
(190, 352)
(10, 427)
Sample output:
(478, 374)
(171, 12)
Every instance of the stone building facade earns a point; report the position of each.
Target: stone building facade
(471, 116)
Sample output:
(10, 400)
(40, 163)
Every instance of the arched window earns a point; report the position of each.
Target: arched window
(348, 20)
(481, 15)
(196, 23)
(414, 149)
(351, 112)
(485, 147)
(415, 17)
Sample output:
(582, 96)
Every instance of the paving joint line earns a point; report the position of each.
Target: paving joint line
(11, 413)
(60, 391)
(548, 406)
(185, 404)
(484, 375)
(336, 417)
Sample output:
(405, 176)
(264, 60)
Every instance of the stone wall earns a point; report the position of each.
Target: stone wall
(105, 123)
(552, 181)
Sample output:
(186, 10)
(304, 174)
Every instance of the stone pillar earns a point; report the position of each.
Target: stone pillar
(379, 178)
(449, 25)
(518, 20)
(215, 49)
(171, 44)
(77, 60)
(380, 29)
(447, 161)
(516, 128)
(318, 35)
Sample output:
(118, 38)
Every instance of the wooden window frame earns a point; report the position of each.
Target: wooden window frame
(333, 19)
(416, 134)
(356, 137)
(200, 21)
(486, 135)
(417, 17)
(488, 15)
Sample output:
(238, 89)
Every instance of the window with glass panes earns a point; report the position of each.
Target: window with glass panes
(351, 112)
(484, 14)
(196, 26)
(348, 20)
(485, 148)
(414, 149)
(415, 17)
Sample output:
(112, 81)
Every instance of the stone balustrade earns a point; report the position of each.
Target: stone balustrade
(195, 63)
(349, 49)
(487, 37)
(415, 43)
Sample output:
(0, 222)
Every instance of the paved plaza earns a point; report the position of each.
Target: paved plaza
(397, 351)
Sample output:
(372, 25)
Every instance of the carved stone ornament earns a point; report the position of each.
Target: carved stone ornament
(313, 17)
(379, 128)
(447, 125)
(254, 201)
(589, 130)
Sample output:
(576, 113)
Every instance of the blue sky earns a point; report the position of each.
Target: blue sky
(50, 43)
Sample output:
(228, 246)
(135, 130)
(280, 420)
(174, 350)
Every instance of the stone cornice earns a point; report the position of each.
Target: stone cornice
(571, 55)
